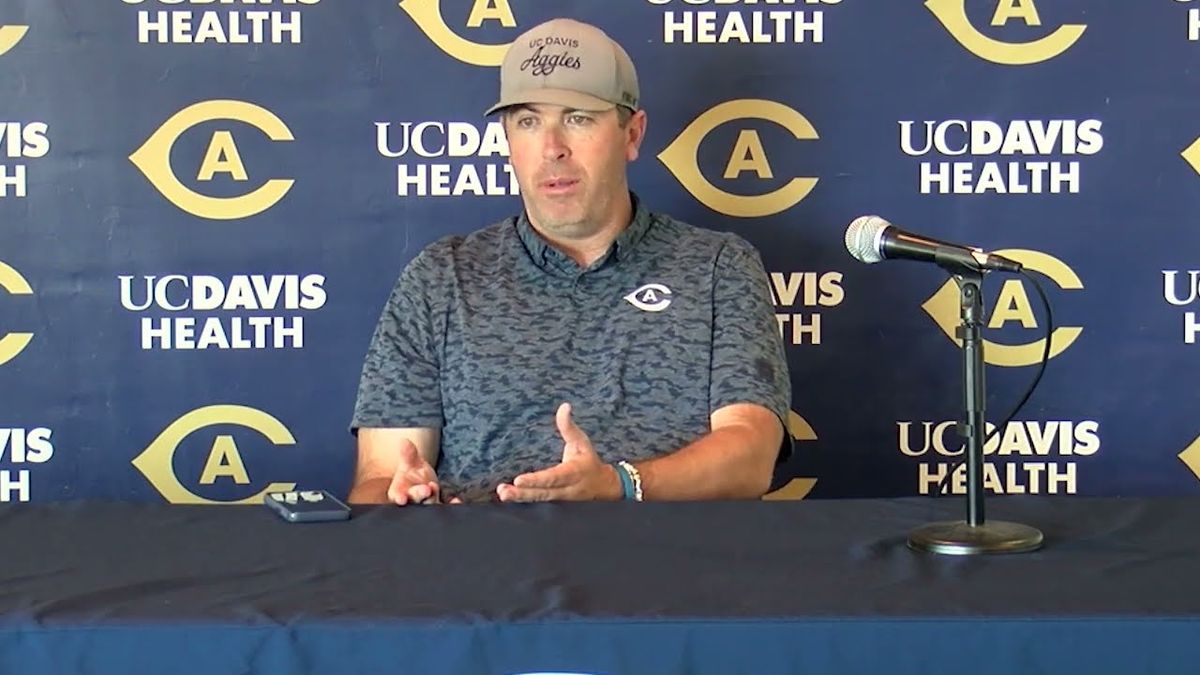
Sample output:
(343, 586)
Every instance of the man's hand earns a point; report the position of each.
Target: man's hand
(581, 475)
(415, 481)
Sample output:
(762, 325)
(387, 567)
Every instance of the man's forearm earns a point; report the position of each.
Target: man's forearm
(370, 491)
(733, 462)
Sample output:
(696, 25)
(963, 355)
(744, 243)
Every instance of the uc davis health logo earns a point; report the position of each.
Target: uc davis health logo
(681, 158)
(427, 14)
(1012, 304)
(10, 36)
(13, 283)
(157, 461)
(953, 16)
(153, 159)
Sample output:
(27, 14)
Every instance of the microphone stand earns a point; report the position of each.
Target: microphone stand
(975, 535)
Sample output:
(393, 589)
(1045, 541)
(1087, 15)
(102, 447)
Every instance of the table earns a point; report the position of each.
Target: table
(654, 588)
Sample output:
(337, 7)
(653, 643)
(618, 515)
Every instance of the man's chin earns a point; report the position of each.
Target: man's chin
(565, 221)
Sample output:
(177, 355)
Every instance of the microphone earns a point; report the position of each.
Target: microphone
(871, 239)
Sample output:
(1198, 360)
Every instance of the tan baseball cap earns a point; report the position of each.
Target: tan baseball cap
(568, 63)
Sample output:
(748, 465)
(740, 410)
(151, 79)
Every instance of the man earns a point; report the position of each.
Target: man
(586, 349)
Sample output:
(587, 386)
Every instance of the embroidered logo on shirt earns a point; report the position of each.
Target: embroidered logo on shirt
(650, 298)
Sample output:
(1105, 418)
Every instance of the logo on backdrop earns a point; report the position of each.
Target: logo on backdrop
(748, 154)
(244, 311)
(427, 14)
(1011, 305)
(451, 144)
(806, 290)
(743, 26)
(224, 464)
(1042, 142)
(1191, 155)
(222, 157)
(953, 16)
(219, 26)
(797, 488)
(1026, 457)
(10, 36)
(12, 344)
(1193, 21)
(20, 447)
(20, 140)
(1191, 457)
(1181, 288)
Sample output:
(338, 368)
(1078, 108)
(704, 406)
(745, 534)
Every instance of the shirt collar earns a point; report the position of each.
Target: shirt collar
(548, 257)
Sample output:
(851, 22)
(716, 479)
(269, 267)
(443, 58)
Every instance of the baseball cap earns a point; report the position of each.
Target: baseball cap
(568, 63)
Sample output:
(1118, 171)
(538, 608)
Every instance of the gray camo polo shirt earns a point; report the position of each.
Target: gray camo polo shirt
(485, 335)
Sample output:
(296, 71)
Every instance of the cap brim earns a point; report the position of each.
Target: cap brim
(565, 97)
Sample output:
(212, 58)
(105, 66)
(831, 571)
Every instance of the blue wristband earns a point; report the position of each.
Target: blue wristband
(626, 482)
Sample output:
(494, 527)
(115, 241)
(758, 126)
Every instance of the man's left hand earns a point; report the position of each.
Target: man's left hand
(581, 476)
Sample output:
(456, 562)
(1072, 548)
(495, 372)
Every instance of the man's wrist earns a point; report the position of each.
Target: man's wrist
(370, 491)
(613, 491)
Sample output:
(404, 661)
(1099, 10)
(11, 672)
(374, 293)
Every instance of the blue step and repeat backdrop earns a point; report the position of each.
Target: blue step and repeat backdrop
(204, 204)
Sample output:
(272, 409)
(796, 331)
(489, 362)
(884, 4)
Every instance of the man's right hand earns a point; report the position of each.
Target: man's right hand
(415, 481)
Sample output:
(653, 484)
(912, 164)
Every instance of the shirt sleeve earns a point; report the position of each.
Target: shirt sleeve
(400, 384)
(748, 361)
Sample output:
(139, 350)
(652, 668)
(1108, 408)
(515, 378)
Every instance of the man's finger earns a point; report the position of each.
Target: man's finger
(512, 493)
(424, 493)
(398, 489)
(573, 452)
(409, 455)
(558, 476)
(566, 426)
(400, 492)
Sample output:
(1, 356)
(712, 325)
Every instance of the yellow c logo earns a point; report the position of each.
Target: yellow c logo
(153, 159)
(1191, 155)
(1013, 305)
(681, 158)
(427, 14)
(13, 343)
(953, 16)
(797, 488)
(10, 36)
(1191, 457)
(155, 462)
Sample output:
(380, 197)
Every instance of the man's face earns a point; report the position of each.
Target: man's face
(570, 164)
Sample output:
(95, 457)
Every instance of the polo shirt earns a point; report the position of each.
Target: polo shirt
(484, 335)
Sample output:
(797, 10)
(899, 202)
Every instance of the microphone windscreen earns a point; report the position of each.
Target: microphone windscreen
(864, 236)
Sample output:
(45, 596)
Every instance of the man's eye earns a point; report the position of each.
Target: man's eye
(579, 119)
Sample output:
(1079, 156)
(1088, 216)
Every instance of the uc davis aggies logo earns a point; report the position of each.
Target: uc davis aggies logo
(427, 14)
(796, 488)
(953, 16)
(10, 36)
(1011, 304)
(221, 157)
(13, 283)
(157, 461)
(748, 154)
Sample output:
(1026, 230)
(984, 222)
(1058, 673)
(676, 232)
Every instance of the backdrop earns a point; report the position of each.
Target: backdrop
(204, 204)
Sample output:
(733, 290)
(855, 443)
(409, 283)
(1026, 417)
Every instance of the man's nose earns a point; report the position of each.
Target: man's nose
(554, 144)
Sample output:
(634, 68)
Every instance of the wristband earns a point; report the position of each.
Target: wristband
(626, 481)
(631, 481)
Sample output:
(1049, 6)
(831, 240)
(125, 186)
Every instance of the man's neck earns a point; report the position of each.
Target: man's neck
(587, 250)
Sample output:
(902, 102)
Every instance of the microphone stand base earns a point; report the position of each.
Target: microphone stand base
(957, 537)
